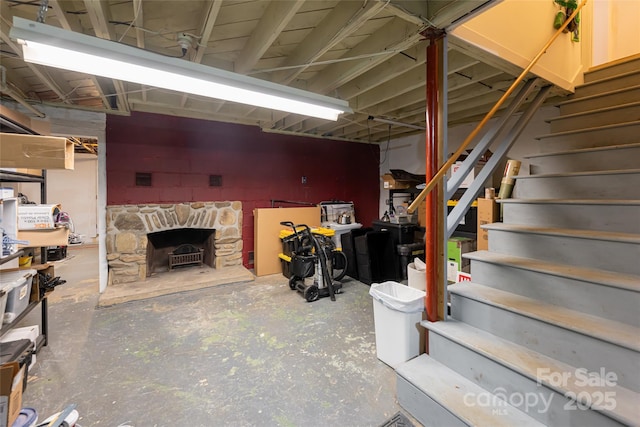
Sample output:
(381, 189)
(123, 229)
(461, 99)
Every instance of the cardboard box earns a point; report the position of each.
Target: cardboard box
(35, 151)
(456, 247)
(11, 380)
(454, 271)
(463, 277)
(35, 217)
(267, 227)
(389, 183)
(470, 177)
(488, 213)
(44, 237)
(46, 270)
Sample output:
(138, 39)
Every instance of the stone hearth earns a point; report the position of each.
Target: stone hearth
(128, 226)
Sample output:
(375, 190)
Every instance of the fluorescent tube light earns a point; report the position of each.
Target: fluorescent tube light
(55, 47)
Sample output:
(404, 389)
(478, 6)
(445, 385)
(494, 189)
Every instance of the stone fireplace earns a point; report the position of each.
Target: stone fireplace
(129, 227)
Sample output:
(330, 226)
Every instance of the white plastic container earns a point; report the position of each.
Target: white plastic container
(341, 229)
(18, 286)
(397, 312)
(416, 279)
(3, 304)
(30, 333)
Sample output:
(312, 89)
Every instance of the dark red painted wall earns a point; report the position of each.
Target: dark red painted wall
(256, 167)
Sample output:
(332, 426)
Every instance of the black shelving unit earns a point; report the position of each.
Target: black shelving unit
(19, 177)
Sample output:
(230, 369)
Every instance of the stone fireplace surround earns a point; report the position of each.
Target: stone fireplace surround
(128, 226)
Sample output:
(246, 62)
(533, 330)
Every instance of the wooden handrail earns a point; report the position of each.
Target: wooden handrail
(445, 167)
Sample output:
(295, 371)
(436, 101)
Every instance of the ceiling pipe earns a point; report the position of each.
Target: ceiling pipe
(311, 135)
(16, 96)
(396, 123)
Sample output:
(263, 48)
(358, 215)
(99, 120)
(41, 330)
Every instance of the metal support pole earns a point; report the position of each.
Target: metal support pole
(433, 136)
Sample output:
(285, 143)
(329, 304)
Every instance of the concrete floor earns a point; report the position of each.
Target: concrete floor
(244, 354)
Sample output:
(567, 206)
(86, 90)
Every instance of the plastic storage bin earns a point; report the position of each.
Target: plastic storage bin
(18, 287)
(397, 312)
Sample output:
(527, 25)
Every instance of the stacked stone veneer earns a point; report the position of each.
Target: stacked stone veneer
(128, 225)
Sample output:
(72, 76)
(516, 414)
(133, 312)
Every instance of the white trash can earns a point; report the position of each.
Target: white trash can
(397, 312)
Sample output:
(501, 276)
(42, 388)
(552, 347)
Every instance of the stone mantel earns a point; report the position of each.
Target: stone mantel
(128, 226)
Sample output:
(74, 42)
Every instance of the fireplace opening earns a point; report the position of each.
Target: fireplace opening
(180, 248)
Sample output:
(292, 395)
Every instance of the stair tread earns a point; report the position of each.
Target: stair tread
(566, 232)
(448, 389)
(586, 130)
(602, 277)
(527, 362)
(593, 111)
(584, 150)
(606, 330)
(597, 95)
(573, 201)
(613, 64)
(608, 78)
(579, 173)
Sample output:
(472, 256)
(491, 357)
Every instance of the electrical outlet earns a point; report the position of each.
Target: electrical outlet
(304, 179)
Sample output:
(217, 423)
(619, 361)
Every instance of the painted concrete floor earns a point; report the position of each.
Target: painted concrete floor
(244, 354)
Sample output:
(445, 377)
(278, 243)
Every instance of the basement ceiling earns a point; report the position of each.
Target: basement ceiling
(368, 52)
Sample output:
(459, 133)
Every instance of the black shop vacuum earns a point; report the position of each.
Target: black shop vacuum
(316, 264)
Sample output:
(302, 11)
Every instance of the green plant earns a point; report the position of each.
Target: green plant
(568, 4)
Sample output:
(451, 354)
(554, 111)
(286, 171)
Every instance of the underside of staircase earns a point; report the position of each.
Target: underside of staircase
(548, 332)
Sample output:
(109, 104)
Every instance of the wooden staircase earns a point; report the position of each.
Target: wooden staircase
(548, 332)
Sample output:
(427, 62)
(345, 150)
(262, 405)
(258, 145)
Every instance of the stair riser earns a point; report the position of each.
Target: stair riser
(622, 257)
(624, 186)
(524, 393)
(607, 302)
(424, 409)
(601, 86)
(603, 101)
(620, 158)
(601, 118)
(612, 70)
(593, 138)
(617, 218)
(581, 351)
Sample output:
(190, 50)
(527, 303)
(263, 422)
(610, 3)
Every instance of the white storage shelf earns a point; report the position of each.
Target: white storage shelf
(9, 223)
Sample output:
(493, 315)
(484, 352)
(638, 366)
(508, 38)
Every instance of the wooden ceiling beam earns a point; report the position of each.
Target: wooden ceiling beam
(393, 36)
(273, 21)
(99, 16)
(345, 18)
(206, 29)
(138, 22)
(59, 11)
(388, 70)
(60, 88)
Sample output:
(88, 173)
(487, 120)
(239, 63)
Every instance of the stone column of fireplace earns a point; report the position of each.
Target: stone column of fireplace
(128, 226)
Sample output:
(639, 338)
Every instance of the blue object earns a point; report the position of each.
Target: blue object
(26, 418)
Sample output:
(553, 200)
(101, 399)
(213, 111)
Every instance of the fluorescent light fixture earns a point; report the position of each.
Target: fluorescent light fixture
(396, 123)
(55, 47)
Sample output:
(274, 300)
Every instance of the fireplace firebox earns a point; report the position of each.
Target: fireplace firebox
(141, 237)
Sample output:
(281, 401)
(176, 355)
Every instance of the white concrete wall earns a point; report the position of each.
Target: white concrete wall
(616, 27)
(88, 211)
(409, 153)
(516, 30)
(77, 191)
